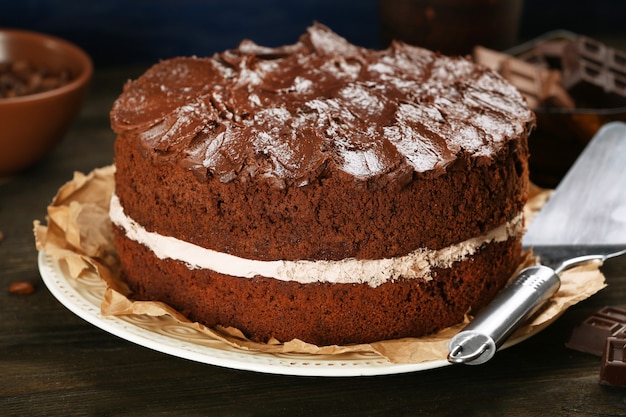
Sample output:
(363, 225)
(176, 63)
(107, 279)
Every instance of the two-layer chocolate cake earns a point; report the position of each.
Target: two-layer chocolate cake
(320, 191)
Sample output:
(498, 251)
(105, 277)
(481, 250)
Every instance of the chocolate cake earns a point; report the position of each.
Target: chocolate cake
(320, 191)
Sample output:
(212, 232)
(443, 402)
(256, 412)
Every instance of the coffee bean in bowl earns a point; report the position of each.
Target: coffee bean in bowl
(21, 78)
(43, 84)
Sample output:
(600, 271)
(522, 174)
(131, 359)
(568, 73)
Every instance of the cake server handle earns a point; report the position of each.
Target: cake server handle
(492, 326)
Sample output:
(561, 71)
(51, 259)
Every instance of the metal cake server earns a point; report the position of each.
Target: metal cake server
(584, 220)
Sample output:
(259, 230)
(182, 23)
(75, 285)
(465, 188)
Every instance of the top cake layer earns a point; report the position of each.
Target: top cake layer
(320, 107)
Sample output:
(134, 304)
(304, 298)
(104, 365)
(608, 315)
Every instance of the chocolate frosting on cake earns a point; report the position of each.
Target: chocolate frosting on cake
(293, 114)
(342, 195)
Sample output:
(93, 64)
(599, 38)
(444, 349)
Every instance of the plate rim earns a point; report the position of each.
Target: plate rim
(59, 285)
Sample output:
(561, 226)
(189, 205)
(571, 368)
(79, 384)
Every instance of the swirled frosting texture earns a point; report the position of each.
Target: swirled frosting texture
(294, 113)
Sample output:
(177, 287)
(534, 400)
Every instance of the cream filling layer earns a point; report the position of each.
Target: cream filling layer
(416, 265)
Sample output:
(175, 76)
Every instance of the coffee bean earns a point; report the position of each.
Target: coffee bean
(20, 78)
(21, 288)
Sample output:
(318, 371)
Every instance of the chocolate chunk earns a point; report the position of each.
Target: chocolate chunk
(540, 85)
(488, 57)
(590, 336)
(594, 74)
(613, 368)
(546, 53)
(614, 313)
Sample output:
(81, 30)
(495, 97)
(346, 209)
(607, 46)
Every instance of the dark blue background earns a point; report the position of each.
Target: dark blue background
(143, 31)
(115, 31)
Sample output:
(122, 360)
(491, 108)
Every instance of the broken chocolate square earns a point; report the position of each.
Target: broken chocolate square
(594, 74)
(613, 368)
(546, 53)
(540, 86)
(590, 336)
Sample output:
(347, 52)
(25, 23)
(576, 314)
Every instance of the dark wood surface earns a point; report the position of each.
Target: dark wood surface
(52, 363)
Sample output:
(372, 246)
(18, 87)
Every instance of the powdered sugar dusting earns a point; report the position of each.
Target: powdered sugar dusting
(361, 163)
(302, 85)
(325, 42)
(280, 113)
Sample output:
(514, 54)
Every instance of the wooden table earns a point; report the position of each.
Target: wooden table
(52, 363)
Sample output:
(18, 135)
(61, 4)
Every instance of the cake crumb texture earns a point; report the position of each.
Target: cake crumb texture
(321, 313)
(321, 151)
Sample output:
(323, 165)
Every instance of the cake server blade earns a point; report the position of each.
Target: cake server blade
(588, 207)
(584, 220)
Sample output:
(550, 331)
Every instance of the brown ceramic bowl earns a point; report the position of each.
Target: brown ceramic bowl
(32, 124)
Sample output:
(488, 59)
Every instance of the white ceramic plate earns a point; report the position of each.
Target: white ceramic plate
(163, 334)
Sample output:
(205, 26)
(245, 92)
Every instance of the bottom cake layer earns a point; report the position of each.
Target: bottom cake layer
(320, 313)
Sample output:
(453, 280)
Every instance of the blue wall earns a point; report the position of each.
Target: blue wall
(115, 31)
(143, 31)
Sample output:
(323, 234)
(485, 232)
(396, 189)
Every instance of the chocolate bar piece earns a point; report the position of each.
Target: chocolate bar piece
(547, 53)
(594, 74)
(540, 86)
(527, 78)
(590, 336)
(613, 368)
(488, 57)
